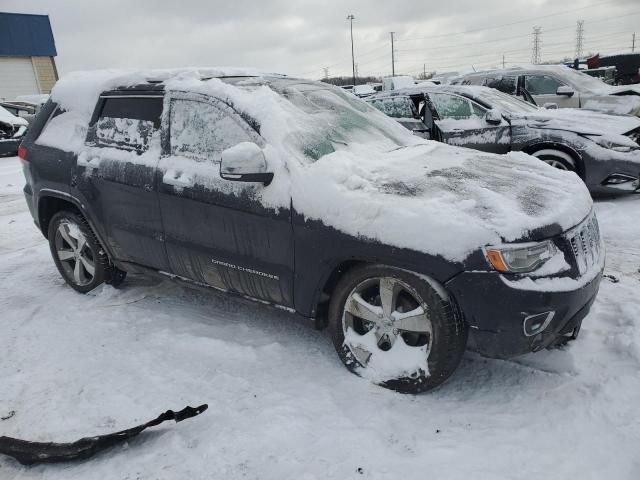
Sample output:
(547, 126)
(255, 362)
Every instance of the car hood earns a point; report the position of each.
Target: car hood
(439, 199)
(613, 100)
(10, 119)
(581, 121)
(623, 89)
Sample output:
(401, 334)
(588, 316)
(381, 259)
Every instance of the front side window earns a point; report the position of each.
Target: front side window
(202, 130)
(127, 122)
(541, 84)
(455, 107)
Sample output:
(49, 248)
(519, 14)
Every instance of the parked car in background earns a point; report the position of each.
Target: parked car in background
(397, 81)
(627, 65)
(12, 131)
(604, 150)
(557, 84)
(20, 109)
(606, 74)
(298, 194)
(363, 90)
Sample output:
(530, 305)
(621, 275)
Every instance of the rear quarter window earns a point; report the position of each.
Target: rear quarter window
(127, 123)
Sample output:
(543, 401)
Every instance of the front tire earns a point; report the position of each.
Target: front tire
(394, 328)
(557, 159)
(76, 251)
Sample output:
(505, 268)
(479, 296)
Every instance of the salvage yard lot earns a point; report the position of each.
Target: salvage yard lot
(281, 405)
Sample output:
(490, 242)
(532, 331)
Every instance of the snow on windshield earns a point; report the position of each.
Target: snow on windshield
(507, 103)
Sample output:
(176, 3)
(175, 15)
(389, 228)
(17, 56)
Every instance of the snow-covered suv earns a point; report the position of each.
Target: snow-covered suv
(298, 194)
(560, 85)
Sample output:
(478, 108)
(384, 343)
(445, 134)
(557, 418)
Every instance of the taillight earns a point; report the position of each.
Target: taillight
(22, 153)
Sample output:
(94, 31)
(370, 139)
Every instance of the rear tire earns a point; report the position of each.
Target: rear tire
(76, 251)
(394, 328)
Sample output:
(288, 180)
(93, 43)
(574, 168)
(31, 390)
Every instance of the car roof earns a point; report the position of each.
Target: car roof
(472, 91)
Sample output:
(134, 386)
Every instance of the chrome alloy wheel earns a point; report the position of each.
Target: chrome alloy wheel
(392, 310)
(74, 253)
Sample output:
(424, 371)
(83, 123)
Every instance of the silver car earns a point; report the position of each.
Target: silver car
(559, 85)
(604, 150)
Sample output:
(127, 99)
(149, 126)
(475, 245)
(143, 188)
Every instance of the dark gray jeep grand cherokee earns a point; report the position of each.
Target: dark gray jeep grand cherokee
(297, 194)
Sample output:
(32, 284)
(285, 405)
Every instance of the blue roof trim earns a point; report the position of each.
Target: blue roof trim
(23, 35)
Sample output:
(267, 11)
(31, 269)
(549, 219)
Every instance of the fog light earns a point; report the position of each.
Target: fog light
(622, 182)
(534, 324)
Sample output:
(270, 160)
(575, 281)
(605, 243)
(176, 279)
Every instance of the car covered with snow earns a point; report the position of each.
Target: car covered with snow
(298, 194)
(12, 131)
(560, 85)
(603, 149)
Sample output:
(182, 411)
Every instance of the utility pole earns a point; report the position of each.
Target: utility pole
(579, 38)
(536, 53)
(424, 71)
(326, 73)
(353, 58)
(503, 61)
(633, 42)
(393, 58)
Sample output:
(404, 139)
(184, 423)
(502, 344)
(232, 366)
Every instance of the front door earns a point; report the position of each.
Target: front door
(219, 232)
(114, 176)
(461, 122)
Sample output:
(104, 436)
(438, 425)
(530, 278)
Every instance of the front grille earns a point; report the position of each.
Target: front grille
(585, 243)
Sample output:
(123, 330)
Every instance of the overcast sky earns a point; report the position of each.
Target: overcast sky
(300, 37)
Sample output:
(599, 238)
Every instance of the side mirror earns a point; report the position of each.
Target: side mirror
(245, 162)
(550, 106)
(564, 90)
(494, 117)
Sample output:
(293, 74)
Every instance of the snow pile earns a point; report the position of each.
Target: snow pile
(348, 165)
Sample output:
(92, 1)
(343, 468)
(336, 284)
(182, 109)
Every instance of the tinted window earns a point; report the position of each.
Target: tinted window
(128, 122)
(541, 84)
(202, 130)
(504, 84)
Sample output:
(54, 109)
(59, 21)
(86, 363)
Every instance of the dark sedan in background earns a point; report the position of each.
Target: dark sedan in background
(603, 149)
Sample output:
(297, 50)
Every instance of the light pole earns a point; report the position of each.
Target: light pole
(353, 58)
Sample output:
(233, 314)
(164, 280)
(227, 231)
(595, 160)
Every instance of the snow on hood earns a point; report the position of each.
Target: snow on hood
(437, 198)
(348, 165)
(582, 121)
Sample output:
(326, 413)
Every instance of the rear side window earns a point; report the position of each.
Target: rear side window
(127, 122)
(202, 130)
(503, 84)
(401, 107)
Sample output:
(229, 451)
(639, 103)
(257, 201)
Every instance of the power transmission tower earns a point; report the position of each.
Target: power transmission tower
(536, 53)
(579, 38)
(353, 58)
(326, 73)
(393, 58)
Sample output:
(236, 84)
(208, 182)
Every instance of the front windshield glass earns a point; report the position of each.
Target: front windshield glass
(335, 119)
(506, 103)
(582, 81)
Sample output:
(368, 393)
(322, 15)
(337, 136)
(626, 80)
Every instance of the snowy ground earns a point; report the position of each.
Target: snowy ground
(281, 405)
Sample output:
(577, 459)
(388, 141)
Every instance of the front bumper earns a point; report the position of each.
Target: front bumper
(601, 166)
(496, 312)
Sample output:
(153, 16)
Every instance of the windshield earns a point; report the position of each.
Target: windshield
(506, 103)
(335, 119)
(582, 81)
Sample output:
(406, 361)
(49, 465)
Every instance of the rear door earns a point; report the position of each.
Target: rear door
(543, 89)
(217, 231)
(115, 176)
(461, 122)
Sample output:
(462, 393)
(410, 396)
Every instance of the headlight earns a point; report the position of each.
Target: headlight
(624, 145)
(520, 259)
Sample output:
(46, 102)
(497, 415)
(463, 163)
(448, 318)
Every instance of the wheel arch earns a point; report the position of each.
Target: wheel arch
(560, 147)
